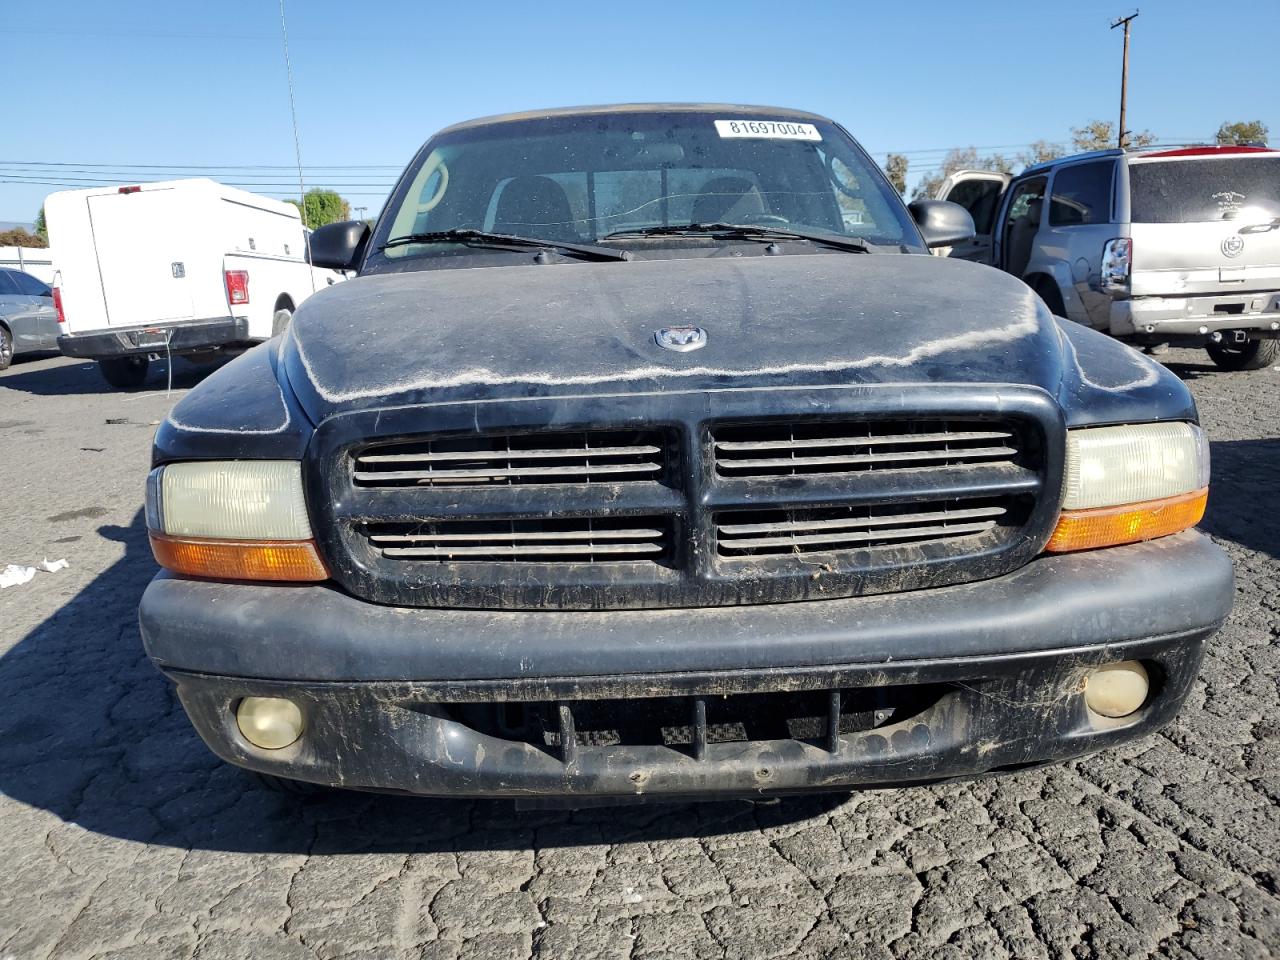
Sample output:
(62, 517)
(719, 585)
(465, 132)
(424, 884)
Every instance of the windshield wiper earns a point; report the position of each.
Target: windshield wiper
(504, 241)
(745, 231)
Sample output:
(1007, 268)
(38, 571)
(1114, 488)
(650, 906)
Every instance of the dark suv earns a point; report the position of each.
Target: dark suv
(650, 454)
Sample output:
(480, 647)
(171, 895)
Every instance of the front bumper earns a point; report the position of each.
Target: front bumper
(1197, 316)
(175, 338)
(969, 679)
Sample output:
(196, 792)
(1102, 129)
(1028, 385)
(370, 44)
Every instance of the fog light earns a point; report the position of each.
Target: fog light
(1117, 689)
(269, 722)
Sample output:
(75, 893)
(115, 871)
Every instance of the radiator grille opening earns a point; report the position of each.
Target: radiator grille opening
(799, 531)
(567, 540)
(679, 721)
(515, 459)
(825, 447)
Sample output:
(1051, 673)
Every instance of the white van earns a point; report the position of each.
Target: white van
(177, 268)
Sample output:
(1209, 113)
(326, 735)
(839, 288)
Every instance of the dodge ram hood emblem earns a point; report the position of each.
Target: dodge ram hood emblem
(682, 339)
(1233, 246)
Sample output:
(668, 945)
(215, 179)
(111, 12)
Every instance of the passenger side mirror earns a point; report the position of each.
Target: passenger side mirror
(942, 222)
(339, 246)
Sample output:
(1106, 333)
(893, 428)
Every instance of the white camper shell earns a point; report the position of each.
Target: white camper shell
(178, 267)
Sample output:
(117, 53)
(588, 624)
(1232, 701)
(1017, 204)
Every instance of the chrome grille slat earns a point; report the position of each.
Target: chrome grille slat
(508, 472)
(797, 531)
(860, 441)
(528, 536)
(516, 459)
(746, 529)
(560, 540)
(914, 456)
(831, 447)
(449, 455)
(524, 552)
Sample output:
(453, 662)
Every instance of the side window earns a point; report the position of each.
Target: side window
(30, 285)
(1081, 194)
(979, 197)
(7, 287)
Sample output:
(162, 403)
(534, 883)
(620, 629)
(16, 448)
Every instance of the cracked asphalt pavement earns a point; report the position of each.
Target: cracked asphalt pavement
(121, 836)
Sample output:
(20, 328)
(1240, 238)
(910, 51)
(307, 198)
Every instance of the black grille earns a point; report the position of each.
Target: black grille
(818, 447)
(514, 459)
(835, 529)
(690, 723)
(573, 540)
(685, 499)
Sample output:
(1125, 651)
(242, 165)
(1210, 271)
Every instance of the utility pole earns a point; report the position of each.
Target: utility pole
(1122, 133)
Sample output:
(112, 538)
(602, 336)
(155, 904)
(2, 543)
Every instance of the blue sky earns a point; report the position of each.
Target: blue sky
(193, 85)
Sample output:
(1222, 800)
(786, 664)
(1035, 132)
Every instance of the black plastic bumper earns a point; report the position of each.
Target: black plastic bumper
(390, 695)
(176, 338)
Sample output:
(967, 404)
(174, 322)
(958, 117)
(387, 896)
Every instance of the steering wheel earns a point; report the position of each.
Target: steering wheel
(763, 218)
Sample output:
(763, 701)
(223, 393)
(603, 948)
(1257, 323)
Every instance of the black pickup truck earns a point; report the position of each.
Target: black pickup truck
(650, 454)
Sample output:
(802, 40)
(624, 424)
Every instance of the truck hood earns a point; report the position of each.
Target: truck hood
(543, 330)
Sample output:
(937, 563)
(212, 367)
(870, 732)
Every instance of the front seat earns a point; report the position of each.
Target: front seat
(726, 200)
(1022, 235)
(534, 207)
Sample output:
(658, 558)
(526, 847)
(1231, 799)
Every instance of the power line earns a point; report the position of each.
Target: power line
(199, 166)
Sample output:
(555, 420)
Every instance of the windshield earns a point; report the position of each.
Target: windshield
(1244, 188)
(581, 178)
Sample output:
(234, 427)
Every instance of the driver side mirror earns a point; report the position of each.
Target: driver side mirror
(942, 222)
(339, 246)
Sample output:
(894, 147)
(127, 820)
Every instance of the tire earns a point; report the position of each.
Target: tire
(6, 347)
(292, 788)
(124, 373)
(1052, 297)
(1254, 355)
(280, 321)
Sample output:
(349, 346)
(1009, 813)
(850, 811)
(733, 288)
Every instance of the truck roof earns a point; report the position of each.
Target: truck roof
(1154, 152)
(190, 184)
(733, 109)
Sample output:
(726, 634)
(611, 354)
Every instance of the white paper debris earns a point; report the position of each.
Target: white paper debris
(53, 566)
(15, 576)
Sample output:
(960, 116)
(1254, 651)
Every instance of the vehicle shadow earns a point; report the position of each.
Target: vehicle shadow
(1244, 473)
(91, 732)
(81, 377)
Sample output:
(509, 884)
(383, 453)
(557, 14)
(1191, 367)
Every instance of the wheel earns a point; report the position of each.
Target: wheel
(1052, 298)
(6, 348)
(280, 321)
(124, 373)
(293, 788)
(1253, 355)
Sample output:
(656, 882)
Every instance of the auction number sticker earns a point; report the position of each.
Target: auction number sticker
(772, 129)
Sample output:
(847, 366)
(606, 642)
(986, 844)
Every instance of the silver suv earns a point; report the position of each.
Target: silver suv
(1154, 247)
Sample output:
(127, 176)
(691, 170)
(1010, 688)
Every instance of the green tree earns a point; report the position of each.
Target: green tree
(322, 206)
(1040, 151)
(1101, 135)
(18, 237)
(1245, 131)
(42, 228)
(895, 167)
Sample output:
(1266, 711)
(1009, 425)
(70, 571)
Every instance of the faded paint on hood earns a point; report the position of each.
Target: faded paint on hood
(541, 330)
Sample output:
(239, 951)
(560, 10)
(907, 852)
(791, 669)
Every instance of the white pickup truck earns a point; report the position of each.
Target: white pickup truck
(174, 268)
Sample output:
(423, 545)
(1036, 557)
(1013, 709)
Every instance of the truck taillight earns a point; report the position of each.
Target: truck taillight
(1117, 263)
(237, 286)
(57, 306)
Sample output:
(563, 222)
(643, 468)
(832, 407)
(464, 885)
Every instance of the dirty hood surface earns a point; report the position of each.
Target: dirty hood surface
(548, 330)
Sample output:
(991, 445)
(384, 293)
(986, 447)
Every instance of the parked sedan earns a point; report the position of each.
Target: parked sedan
(28, 320)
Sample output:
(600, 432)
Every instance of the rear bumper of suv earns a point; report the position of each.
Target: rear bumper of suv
(1197, 316)
(955, 681)
(175, 338)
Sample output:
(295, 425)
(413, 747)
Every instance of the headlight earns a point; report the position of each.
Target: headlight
(1131, 483)
(237, 520)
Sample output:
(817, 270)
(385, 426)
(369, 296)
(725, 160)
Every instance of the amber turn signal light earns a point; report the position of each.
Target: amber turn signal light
(295, 560)
(1128, 523)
